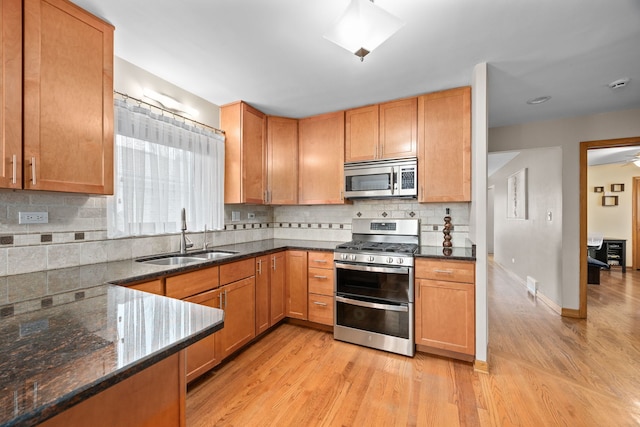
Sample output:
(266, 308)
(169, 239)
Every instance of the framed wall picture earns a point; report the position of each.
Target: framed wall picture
(517, 195)
(598, 189)
(617, 188)
(609, 200)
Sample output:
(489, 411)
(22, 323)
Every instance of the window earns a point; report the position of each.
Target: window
(161, 166)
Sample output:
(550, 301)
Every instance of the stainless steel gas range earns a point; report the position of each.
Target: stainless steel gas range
(374, 285)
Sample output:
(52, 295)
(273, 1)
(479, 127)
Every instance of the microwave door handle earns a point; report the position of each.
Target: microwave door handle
(367, 304)
(393, 173)
(372, 269)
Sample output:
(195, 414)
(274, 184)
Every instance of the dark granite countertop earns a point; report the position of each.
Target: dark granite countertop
(77, 338)
(61, 341)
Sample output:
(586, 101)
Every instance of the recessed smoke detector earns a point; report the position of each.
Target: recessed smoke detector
(538, 100)
(619, 83)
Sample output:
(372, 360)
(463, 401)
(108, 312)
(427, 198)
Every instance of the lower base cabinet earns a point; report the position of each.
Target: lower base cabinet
(155, 396)
(445, 307)
(297, 297)
(202, 355)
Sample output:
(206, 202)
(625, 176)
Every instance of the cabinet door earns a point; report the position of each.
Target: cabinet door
(278, 287)
(202, 355)
(238, 303)
(68, 99)
(245, 154)
(321, 171)
(444, 152)
(399, 129)
(253, 155)
(282, 167)
(445, 315)
(263, 288)
(321, 309)
(11, 94)
(361, 134)
(297, 284)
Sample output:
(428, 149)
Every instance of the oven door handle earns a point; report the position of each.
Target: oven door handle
(373, 269)
(367, 304)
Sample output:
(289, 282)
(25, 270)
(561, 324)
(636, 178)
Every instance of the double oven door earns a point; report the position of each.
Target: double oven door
(374, 306)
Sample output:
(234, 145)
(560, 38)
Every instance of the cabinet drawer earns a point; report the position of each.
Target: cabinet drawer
(235, 271)
(192, 283)
(320, 281)
(321, 259)
(321, 309)
(450, 270)
(209, 298)
(153, 286)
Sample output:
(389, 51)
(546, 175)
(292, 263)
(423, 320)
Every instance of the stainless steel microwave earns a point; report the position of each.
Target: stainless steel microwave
(381, 179)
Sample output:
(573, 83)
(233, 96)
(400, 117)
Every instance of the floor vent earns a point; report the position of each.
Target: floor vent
(532, 285)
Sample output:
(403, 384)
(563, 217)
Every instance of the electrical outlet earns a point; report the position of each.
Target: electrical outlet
(33, 217)
(251, 215)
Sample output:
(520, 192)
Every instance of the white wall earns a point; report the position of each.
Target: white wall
(533, 246)
(613, 221)
(567, 134)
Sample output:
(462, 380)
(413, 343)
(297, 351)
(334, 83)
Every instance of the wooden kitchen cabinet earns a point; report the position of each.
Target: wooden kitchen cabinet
(321, 287)
(191, 283)
(67, 99)
(270, 290)
(361, 134)
(11, 90)
(445, 307)
(321, 159)
(282, 161)
(203, 355)
(152, 286)
(296, 285)
(278, 294)
(245, 153)
(444, 146)
(237, 280)
(382, 131)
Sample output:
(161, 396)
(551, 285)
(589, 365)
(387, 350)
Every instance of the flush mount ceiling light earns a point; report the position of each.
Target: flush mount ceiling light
(362, 27)
(169, 103)
(538, 100)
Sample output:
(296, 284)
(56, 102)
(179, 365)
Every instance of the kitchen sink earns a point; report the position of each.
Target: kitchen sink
(172, 260)
(184, 259)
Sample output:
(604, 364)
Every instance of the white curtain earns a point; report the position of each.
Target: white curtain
(161, 166)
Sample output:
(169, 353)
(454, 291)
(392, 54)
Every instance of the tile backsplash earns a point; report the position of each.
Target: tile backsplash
(77, 230)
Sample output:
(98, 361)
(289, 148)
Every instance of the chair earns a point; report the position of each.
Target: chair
(594, 243)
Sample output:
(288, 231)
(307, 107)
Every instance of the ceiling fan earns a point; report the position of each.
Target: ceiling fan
(635, 160)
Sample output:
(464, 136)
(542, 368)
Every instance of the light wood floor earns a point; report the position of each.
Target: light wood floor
(545, 371)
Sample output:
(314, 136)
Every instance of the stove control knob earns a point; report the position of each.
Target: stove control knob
(390, 260)
(400, 260)
(371, 258)
(344, 256)
(353, 257)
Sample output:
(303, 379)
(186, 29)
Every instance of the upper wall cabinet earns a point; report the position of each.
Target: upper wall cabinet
(444, 153)
(64, 98)
(381, 131)
(11, 94)
(68, 99)
(282, 160)
(321, 159)
(245, 153)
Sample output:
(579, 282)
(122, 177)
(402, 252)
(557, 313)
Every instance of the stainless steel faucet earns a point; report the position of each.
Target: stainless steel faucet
(185, 243)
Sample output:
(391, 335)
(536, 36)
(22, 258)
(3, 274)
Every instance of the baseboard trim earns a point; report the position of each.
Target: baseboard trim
(573, 313)
(550, 303)
(481, 366)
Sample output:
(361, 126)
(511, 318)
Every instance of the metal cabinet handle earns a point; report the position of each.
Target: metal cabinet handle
(324, 304)
(259, 266)
(319, 277)
(33, 170)
(220, 300)
(444, 271)
(14, 161)
(320, 261)
(225, 299)
(273, 262)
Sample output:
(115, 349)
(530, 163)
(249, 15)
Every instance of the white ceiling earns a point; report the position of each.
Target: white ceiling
(272, 53)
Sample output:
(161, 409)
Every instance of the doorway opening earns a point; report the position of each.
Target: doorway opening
(585, 146)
